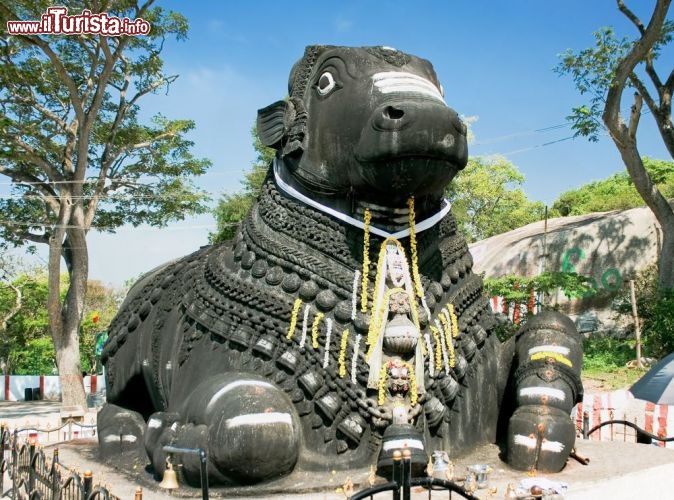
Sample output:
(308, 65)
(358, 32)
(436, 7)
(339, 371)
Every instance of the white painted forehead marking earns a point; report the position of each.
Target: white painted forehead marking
(240, 383)
(530, 443)
(550, 392)
(403, 443)
(389, 82)
(259, 419)
(550, 348)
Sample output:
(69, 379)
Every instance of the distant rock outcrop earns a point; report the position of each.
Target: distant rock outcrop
(609, 247)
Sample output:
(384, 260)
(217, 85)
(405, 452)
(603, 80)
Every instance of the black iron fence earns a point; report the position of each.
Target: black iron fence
(640, 435)
(35, 476)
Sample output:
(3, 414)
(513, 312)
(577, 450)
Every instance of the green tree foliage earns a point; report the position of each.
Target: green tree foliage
(232, 208)
(603, 73)
(25, 342)
(655, 307)
(487, 198)
(617, 192)
(79, 157)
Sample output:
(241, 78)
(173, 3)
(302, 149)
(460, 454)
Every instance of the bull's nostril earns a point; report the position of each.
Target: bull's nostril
(393, 113)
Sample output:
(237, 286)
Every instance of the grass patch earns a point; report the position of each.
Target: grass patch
(605, 360)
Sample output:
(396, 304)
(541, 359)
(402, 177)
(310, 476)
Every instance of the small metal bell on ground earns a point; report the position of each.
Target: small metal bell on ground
(169, 480)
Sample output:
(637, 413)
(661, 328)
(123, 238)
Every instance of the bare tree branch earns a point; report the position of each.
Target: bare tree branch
(611, 115)
(635, 115)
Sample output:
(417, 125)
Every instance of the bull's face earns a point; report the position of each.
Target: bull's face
(367, 121)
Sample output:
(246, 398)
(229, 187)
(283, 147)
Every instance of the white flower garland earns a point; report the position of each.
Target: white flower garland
(354, 358)
(354, 295)
(305, 327)
(326, 355)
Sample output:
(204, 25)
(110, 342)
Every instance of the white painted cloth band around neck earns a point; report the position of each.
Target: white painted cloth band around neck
(419, 227)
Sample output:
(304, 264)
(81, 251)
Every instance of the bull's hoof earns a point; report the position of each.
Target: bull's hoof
(253, 431)
(119, 430)
(547, 382)
(540, 438)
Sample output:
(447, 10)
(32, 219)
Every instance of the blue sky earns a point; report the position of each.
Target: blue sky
(494, 58)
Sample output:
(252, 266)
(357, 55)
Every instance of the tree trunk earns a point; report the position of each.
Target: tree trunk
(64, 317)
(659, 206)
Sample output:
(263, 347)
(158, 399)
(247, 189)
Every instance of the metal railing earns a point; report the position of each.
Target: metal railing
(641, 435)
(402, 482)
(34, 476)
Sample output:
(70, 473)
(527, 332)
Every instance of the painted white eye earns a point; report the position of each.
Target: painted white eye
(326, 83)
(442, 90)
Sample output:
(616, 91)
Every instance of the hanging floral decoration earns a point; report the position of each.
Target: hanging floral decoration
(377, 318)
(447, 329)
(314, 329)
(305, 327)
(354, 294)
(293, 318)
(341, 360)
(455, 322)
(366, 259)
(438, 347)
(328, 336)
(413, 249)
(354, 357)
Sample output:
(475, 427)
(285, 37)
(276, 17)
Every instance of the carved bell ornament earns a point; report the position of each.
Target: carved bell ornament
(400, 335)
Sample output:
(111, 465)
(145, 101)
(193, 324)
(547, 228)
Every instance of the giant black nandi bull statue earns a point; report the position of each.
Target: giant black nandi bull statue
(343, 321)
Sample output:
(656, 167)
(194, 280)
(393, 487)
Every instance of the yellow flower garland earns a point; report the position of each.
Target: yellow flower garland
(377, 317)
(448, 339)
(413, 249)
(366, 260)
(293, 318)
(341, 360)
(314, 329)
(381, 390)
(438, 348)
(455, 322)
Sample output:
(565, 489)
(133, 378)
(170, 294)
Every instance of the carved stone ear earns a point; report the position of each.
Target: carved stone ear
(271, 124)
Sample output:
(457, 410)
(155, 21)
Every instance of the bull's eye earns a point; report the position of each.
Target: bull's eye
(326, 83)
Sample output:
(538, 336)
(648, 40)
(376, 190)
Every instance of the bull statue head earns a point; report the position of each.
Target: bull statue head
(368, 124)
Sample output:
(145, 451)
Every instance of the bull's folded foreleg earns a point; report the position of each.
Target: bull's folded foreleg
(247, 426)
(541, 433)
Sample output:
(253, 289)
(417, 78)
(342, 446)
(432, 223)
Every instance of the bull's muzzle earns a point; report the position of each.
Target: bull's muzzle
(414, 126)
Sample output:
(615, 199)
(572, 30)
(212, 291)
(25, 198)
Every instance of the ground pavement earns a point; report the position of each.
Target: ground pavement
(617, 470)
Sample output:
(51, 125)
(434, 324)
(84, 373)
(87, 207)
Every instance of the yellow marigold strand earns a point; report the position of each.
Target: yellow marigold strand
(293, 318)
(380, 266)
(413, 249)
(366, 260)
(314, 329)
(438, 348)
(342, 353)
(455, 322)
(377, 317)
(452, 356)
(381, 394)
(448, 339)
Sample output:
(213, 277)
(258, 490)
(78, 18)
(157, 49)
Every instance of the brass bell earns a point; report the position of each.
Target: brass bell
(170, 480)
